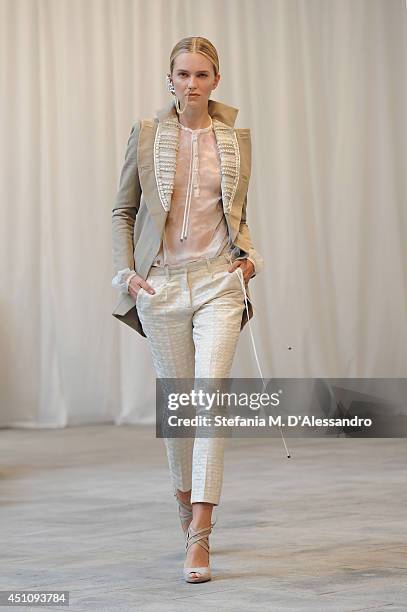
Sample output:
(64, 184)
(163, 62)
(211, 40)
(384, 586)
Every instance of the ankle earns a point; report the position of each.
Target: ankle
(199, 524)
(184, 496)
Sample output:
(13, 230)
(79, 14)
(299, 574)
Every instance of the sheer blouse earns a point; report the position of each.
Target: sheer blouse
(195, 227)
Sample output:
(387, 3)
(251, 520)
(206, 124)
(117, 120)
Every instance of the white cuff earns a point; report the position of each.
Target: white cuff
(122, 279)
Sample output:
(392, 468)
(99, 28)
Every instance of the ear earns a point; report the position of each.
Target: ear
(217, 79)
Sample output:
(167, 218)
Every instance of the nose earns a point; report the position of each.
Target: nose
(191, 84)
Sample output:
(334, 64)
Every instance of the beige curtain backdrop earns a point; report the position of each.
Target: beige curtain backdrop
(321, 84)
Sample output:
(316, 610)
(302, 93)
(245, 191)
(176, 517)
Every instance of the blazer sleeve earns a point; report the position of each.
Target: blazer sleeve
(251, 254)
(126, 206)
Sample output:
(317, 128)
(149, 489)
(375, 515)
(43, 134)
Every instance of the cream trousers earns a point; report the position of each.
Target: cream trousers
(192, 324)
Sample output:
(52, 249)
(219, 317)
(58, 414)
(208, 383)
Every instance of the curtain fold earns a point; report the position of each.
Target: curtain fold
(321, 84)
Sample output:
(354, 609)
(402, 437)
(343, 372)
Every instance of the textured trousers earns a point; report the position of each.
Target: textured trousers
(192, 324)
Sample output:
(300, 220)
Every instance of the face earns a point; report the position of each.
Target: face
(196, 71)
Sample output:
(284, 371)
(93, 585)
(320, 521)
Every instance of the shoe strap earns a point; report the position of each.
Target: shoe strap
(198, 536)
(185, 511)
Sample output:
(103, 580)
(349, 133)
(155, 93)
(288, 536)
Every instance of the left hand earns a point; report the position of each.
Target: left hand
(247, 268)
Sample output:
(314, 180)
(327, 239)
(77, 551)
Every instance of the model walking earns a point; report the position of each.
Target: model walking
(183, 258)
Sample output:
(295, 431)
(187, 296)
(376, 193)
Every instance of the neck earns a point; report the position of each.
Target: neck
(195, 118)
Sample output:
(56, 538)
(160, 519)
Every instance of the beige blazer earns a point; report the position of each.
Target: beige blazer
(145, 189)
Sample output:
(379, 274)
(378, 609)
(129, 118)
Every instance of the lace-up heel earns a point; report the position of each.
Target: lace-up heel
(201, 537)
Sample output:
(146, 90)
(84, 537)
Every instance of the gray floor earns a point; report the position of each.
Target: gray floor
(90, 510)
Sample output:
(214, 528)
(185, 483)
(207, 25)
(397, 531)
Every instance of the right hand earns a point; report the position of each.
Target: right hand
(136, 283)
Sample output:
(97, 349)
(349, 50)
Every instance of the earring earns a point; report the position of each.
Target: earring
(171, 89)
(170, 85)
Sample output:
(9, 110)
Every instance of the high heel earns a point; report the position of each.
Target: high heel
(201, 537)
(185, 513)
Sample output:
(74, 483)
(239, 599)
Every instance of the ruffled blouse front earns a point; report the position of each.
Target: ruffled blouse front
(195, 226)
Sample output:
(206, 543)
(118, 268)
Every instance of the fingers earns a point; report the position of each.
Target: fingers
(236, 264)
(136, 283)
(243, 272)
(146, 286)
(247, 268)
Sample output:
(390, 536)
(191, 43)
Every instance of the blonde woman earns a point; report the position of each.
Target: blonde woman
(183, 258)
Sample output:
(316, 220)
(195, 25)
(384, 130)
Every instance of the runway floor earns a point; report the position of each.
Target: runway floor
(90, 510)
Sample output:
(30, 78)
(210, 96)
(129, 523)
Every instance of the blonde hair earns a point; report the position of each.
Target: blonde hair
(195, 44)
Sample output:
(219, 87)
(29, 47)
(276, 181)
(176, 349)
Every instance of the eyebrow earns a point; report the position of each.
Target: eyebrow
(183, 70)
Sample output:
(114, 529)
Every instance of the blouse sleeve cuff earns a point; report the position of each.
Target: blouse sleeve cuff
(122, 279)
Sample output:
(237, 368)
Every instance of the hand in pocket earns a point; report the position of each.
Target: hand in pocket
(136, 283)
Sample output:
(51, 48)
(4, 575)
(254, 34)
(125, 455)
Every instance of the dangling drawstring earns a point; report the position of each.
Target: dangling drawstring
(188, 198)
(241, 278)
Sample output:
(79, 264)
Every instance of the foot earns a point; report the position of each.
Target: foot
(196, 556)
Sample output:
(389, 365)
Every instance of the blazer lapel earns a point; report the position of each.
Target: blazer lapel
(235, 154)
(146, 171)
(233, 213)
